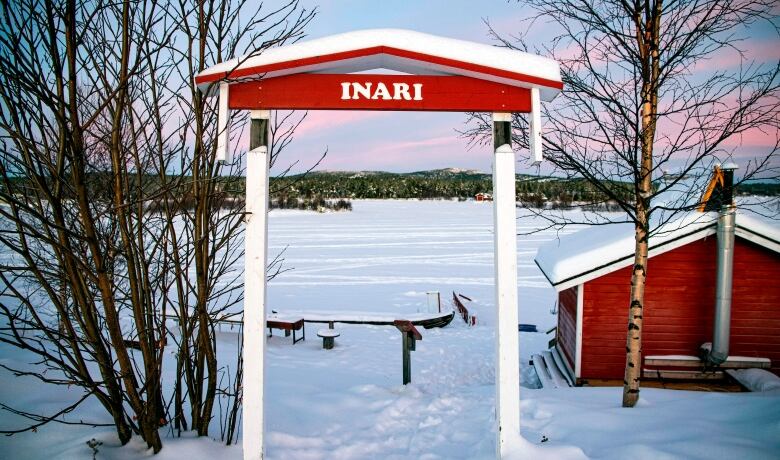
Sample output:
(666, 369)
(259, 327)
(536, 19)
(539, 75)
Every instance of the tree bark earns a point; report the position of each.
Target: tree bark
(648, 37)
(633, 371)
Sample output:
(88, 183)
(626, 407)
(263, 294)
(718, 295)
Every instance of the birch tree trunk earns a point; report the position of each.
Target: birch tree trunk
(647, 36)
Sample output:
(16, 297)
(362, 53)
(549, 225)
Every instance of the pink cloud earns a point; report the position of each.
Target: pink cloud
(316, 121)
(392, 141)
(726, 106)
(320, 120)
(755, 138)
(759, 51)
(429, 153)
(434, 142)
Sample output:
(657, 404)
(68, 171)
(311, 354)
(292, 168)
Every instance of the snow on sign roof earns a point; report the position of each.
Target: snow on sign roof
(596, 251)
(395, 49)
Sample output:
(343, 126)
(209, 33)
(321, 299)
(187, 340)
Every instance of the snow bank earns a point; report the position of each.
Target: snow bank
(756, 379)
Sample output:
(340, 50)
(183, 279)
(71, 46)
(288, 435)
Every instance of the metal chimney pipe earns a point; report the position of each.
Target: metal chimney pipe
(726, 230)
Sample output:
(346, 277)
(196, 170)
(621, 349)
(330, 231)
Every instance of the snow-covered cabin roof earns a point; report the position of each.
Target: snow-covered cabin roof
(394, 49)
(595, 251)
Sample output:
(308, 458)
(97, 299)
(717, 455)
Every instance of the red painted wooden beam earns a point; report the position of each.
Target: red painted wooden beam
(379, 92)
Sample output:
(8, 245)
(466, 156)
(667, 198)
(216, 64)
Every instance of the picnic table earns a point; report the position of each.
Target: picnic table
(288, 326)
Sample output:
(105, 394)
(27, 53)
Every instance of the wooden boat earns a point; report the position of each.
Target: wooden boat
(428, 321)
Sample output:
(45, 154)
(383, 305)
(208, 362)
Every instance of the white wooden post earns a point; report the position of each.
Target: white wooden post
(505, 257)
(535, 128)
(255, 260)
(223, 124)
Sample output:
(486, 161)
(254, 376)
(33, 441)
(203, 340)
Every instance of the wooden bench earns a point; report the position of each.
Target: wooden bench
(733, 362)
(287, 326)
(686, 367)
(328, 337)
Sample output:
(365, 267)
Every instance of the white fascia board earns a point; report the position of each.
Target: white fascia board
(758, 231)
(223, 124)
(758, 239)
(535, 127)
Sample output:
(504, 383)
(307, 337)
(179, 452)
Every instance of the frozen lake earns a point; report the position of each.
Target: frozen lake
(385, 255)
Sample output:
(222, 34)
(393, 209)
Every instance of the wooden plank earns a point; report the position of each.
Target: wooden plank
(379, 92)
(733, 362)
(542, 372)
(746, 364)
(223, 124)
(462, 310)
(406, 357)
(567, 371)
(680, 361)
(552, 367)
(406, 326)
(535, 128)
(687, 375)
(567, 323)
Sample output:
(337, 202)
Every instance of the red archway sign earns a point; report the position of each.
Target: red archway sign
(428, 73)
(379, 92)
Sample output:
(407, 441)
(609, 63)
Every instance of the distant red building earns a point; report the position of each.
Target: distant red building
(483, 197)
(591, 271)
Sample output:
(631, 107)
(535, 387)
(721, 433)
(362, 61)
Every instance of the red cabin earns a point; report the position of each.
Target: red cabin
(591, 272)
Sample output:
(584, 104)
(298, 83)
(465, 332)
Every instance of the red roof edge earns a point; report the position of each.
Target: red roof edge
(250, 71)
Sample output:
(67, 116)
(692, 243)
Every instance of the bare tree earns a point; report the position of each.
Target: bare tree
(114, 211)
(636, 101)
(82, 286)
(207, 242)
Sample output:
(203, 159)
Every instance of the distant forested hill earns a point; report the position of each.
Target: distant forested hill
(450, 183)
(440, 183)
(325, 188)
(759, 189)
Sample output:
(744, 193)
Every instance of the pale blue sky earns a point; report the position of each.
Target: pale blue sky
(412, 141)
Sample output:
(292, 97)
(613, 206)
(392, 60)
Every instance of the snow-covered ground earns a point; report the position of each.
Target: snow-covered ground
(348, 402)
